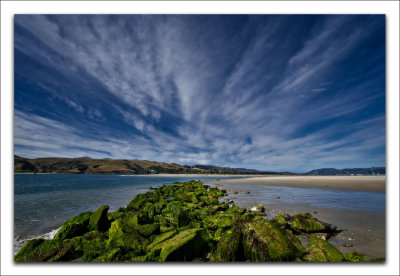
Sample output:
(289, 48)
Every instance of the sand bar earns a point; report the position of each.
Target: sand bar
(359, 183)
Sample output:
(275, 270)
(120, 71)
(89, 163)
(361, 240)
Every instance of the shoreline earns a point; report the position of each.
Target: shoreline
(346, 183)
(364, 231)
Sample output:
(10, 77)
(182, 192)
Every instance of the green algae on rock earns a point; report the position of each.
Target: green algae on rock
(182, 222)
(99, 220)
(319, 250)
(358, 257)
(265, 241)
(75, 226)
(307, 223)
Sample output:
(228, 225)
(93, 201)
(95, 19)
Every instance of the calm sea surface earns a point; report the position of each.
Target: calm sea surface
(43, 202)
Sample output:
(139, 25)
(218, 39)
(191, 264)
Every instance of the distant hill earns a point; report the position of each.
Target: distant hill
(94, 166)
(356, 171)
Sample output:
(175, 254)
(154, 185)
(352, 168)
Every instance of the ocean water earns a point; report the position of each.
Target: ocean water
(43, 202)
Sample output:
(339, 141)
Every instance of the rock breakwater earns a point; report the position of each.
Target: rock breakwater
(185, 222)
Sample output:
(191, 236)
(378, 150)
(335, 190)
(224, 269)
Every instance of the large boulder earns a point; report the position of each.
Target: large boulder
(184, 246)
(40, 250)
(75, 226)
(229, 247)
(319, 250)
(307, 223)
(93, 245)
(161, 238)
(99, 220)
(265, 241)
(125, 237)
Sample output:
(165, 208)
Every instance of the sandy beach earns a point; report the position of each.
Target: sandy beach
(355, 183)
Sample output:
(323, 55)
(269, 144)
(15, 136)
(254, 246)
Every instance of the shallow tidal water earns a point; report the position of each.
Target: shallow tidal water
(361, 215)
(43, 202)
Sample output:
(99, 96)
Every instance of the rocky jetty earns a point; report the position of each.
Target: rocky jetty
(185, 222)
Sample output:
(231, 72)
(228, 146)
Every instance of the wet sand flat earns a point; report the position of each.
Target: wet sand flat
(356, 183)
(358, 211)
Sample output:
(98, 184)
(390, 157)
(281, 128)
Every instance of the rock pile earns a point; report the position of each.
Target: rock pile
(184, 222)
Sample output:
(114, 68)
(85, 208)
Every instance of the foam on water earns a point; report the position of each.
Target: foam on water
(19, 242)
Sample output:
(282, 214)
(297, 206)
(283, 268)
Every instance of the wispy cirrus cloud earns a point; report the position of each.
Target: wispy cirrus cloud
(269, 92)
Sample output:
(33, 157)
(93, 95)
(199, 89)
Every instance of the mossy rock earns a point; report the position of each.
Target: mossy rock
(265, 241)
(28, 253)
(99, 220)
(94, 235)
(68, 250)
(153, 209)
(167, 228)
(358, 257)
(114, 255)
(194, 199)
(319, 250)
(185, 196)
(148, 229)
(234, 209)
(220, 207)
(115, 215)
(280, 219)
(161, 238)
(40, 250)
(177, 214)
(248, 216)
(137, 203)
(307, 223)
(220, 220)
(209, 200)
(126, 238)
(75, 226)
(230, 247)
(184, 246)
(92, 249)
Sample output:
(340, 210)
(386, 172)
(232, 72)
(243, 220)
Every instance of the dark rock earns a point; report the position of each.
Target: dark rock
(99, 220)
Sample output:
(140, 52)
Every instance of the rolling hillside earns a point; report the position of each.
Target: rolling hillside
(94, 166)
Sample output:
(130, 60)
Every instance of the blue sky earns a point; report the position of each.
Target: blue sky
(269, 92)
